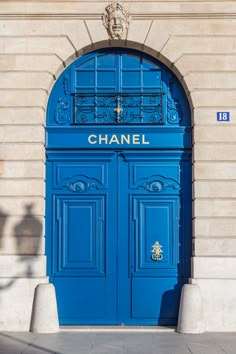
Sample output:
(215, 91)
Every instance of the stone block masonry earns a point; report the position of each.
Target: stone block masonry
(37, 40)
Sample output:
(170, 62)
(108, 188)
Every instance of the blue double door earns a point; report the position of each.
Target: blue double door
(107, 211)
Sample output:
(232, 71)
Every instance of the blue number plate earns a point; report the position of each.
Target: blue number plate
(223, 116)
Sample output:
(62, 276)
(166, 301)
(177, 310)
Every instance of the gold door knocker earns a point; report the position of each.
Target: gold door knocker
(157, 252)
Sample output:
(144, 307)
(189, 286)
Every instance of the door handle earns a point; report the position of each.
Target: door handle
(157, 252)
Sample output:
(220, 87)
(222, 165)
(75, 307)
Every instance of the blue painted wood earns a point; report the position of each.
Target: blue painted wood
(82, 269)
(114, 188)
(110, 210)
(154, 214)
(128, 138)
(121, 89)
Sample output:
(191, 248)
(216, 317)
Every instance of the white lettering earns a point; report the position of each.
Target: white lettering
(101, 139)
(114, 139)
(136, 139)
(104, 139)
(92, 141)
(125, 139)
(143, 140)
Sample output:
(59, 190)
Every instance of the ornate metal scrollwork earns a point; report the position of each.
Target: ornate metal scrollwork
(62, 111)
(174, 109)
(66, 84)
(118, 108)
(157, 252)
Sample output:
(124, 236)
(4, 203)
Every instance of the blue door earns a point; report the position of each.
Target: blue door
(118, 191)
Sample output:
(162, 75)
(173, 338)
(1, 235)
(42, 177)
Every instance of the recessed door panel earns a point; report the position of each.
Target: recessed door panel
(141, 171)
(156, 219)
(68, 172)
(81, 235)
(82, 300)
(160, 298)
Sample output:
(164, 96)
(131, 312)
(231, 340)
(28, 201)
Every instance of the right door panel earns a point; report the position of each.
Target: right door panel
(157, 185)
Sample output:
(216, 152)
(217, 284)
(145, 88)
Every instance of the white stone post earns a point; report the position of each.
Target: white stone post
(44, 318)
(190, 311)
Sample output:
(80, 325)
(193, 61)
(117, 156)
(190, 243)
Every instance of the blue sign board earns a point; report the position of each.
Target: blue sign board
(102, 137)
(223, 116)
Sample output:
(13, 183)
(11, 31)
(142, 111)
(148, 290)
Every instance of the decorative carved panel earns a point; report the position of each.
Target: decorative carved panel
(157, 184)
(81, 184)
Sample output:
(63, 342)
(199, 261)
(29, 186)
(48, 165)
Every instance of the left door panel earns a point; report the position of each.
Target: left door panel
(83, 264)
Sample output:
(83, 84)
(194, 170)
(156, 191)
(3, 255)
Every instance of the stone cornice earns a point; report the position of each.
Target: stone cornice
(93, 9)
(153, 16)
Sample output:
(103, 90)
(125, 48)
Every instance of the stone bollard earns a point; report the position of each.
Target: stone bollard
(44, 318)
(190, 310)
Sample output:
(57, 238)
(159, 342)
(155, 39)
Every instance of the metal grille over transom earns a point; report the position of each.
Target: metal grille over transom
(119, 88)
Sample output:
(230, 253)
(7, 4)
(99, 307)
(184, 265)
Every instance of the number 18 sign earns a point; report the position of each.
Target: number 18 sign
(223, 116)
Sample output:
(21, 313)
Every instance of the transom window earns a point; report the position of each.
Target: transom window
(119, 87)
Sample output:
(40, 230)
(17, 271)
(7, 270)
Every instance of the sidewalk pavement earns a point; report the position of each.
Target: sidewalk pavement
(116, 342)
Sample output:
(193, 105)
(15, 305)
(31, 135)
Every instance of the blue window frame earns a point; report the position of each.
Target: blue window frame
(118, 86)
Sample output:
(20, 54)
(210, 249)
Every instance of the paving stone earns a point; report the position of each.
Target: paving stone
(116, 343)
(14, 343)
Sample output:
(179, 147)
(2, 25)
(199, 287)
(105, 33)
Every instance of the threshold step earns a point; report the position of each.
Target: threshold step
(128, 329)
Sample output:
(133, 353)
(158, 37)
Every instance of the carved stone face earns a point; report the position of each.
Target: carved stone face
(117, 25)
(116, 20)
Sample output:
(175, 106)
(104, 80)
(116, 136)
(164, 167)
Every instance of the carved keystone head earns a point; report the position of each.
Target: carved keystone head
(116, 20)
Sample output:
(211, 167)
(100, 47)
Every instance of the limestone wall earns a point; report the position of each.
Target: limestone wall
(37, 40)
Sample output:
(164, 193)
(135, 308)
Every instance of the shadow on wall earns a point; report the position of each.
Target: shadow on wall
(3, 219)
(27, 236)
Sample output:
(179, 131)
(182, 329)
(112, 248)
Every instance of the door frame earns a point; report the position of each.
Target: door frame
(179, 137)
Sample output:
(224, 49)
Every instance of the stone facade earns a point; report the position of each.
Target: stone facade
(38, 39)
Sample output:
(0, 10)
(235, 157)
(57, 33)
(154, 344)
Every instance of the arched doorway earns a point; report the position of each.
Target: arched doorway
(118, 190)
